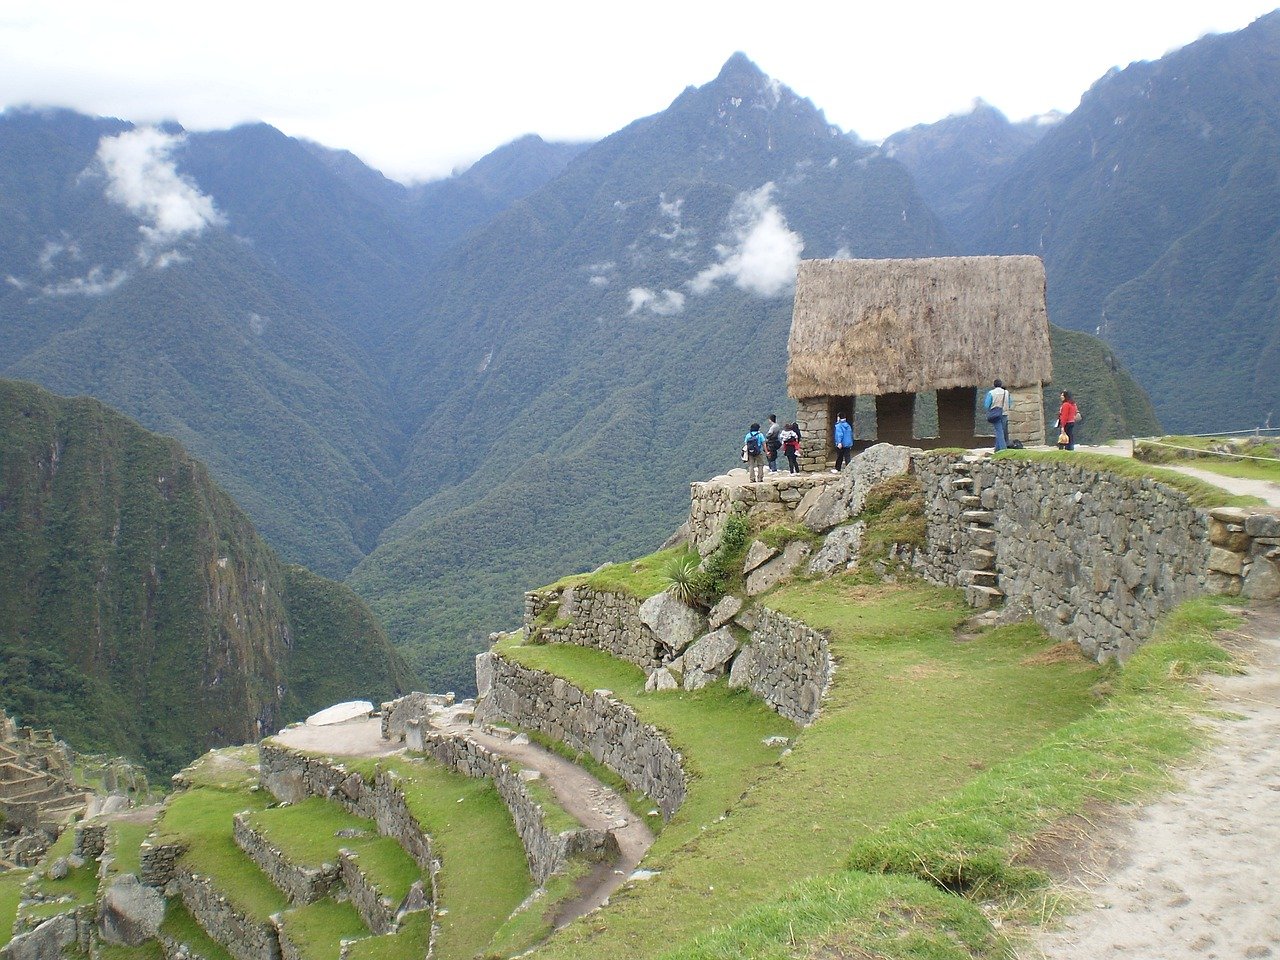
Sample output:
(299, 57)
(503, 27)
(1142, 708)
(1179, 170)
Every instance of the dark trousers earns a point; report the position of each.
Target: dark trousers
(843, 456)
(1070, 430)
(791, 459)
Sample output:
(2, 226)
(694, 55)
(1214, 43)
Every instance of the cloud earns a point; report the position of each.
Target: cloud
(765, 252)
(142, 178)
(95, 283)
(599, 280)
(665, 304)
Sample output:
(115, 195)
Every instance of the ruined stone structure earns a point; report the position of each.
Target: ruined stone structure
(36, 787)
(879, 333)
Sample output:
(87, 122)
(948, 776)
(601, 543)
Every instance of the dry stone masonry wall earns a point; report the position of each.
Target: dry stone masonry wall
(587, 617)
(300, 884)
(377, 911)
(244, 938)
(595, 723)
(546, 851)
(781, 495)
(787, 664)
(1096, 558)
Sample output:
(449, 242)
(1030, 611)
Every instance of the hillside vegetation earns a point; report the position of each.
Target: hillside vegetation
(140, 613)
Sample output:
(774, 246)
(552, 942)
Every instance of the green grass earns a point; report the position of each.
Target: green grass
(530, 926)
(11, 882)
(556, 817)
(912, 714)
(126, 845)
(181, 926)
(971, 840)
(779, 535)
(483, 875)
(319, 928)
(202, 818)
(150, 950)
(1225, 465)
(410, 942)
(306, 833)
(1198, 492)
(230, 768)
(641, 578)
(80, 883)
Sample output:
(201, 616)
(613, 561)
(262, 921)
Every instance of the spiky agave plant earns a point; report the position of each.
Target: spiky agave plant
(682, 579)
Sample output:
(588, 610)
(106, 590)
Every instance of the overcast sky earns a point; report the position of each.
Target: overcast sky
(417, 92)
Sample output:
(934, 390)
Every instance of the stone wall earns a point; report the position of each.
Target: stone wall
(377, 911)
(90, 840)
(412, 706)
(595, 723)
(160, 862)
(1096, 558)
(299, 883)
(291, 776)
(600, 619)
(815, 429)
(546, 851)
(1026, 416)
(244, 938)
(786, 663)
(783, 495)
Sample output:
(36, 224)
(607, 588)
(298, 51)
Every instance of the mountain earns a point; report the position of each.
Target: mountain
(140, 612)
(956, 161)
(1156, 207)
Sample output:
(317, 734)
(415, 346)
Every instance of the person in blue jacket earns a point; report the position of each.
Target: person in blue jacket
(843, 435)
(753, 448)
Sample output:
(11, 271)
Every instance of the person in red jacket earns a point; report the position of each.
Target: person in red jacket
(1068, 416)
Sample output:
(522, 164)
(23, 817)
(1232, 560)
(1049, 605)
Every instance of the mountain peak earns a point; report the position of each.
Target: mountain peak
(740, 67)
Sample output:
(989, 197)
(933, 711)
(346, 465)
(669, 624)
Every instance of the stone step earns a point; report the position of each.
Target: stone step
(984, 518)
(982, 598)
(961, 482)
(982, 559)
(978, 578)
(984, 536)
(971, 502)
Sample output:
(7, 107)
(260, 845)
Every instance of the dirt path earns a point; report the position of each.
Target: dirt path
(1193, 876)
(1265, 490)
(591, 802)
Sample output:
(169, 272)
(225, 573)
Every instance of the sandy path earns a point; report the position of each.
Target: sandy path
(1265, 490)
(1193, 876)
(591, 802)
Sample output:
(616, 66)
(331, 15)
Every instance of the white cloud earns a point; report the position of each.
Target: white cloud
(142, 178)
(665, 304)
(14, 282)
(169, 258)
(844, 253)
(95, 283)
(765, 252)
(599, 280)
(53, 249)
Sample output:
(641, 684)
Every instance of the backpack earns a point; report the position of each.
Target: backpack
(753, 444)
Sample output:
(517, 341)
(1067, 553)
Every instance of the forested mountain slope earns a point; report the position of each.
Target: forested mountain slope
(140, 613)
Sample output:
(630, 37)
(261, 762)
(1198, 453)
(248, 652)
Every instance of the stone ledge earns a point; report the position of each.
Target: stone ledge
(300, 884)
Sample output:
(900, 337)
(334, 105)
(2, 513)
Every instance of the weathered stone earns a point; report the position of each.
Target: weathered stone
(484, 673)
(1262, 525)
(1223, 535)
(1224, 561)
(773, 572)
(674, 624)
(130, 912)
(1229, 514)
(661, 679)
(697, 679)
(1263, 581)
(758, 553)
(58, 869)
(414, 901)
(711, 652)
(839, 549)
(741, 671)
(747, 618)
(724, 611)
(52, 940)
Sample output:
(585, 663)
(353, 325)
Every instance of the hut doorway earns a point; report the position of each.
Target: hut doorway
(844, 406)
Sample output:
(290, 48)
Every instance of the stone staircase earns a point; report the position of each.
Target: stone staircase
(978, 575)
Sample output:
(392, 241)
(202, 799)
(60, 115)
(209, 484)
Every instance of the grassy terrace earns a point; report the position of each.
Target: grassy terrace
(80, 883)
(410, 942)
(126, 845)
(1211, 461)
(639, 578)
(306, 833)
(1200, 494)
(319, 928)
(11, 882)
(181, 926)
(913, 713)
(483, 875)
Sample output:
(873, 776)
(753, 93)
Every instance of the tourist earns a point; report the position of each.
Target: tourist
(753, 447)
(843, 435)
(773, 442)
(1068, 417)
(790, 437)
(997, 404)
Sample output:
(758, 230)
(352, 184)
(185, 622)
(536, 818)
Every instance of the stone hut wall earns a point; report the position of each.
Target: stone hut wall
(600, 619)
(546, 852)
(159, 862)
(1096, 558)
(595, 723)
(787, 664)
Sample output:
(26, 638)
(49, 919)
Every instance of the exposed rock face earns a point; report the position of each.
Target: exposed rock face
(784, 496)
(661, 679)
(723, 612)
(839, 549)
(675, 625)
(130, 912)
(52, 940)
(772, 573)
(708, 658)
(757, 554)
(844, 499)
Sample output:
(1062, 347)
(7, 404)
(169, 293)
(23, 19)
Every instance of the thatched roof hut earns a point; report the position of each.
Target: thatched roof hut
(875, 327)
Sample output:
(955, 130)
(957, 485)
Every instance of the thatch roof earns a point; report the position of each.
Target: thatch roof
(869, 327)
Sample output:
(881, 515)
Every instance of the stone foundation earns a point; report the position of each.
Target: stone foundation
(160, 862)
(595, 723)
(712, 501)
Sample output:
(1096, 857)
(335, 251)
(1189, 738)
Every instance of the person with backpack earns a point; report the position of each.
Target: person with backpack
(790, 438)
(753, 446)
(843, 436)
(1068, 417)
(997, 403)
(772, 442)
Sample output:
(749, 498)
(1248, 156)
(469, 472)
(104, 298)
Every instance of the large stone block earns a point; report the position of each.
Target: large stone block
(674, 624)
(839, 549)
(1225, 561)
(130, 913)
